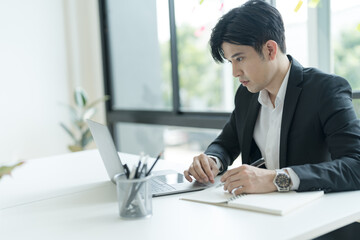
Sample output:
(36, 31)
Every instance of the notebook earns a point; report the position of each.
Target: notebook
(163, 183)
(278, 203)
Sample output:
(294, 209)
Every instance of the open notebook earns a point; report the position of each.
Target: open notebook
(275, 203)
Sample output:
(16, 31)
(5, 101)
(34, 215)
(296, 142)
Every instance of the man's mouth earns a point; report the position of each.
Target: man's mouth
(244, 83)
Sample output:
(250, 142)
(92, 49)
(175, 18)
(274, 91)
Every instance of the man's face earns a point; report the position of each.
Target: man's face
(254, 72)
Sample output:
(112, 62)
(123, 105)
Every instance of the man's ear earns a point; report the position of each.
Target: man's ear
(270, 49)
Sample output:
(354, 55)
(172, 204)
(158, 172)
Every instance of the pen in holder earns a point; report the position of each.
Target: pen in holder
(134, 197)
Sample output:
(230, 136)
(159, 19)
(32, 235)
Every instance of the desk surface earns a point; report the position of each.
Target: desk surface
(70, 197)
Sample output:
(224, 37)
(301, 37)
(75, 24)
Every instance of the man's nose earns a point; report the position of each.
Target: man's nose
(237, 72)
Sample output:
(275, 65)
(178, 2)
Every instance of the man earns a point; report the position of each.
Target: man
(300, 120)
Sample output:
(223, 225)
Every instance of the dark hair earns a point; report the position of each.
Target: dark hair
(252, 24)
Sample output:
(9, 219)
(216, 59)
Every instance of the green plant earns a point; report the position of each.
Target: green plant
(6, 170)
(80, 132)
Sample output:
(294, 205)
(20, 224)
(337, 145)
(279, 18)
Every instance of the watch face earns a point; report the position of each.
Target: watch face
(282, 180)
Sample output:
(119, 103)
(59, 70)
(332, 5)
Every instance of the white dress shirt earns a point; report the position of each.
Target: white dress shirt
(268, 127)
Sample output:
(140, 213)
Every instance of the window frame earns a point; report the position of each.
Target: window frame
(319, 32)
(177, 117)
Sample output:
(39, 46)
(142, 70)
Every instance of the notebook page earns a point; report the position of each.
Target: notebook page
(276, 203)
(215, 194)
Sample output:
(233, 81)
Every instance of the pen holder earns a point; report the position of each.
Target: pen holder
(134, 197)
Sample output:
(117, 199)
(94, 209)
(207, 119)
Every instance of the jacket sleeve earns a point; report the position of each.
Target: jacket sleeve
(227, 145)
(341, 130)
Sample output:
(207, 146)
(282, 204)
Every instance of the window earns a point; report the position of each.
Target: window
(163, 81)
(345, 42)
(158, 70)
(138, 36)
(296, 29)
(204, 84)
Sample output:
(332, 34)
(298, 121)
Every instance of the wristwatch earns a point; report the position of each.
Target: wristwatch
(282, 180)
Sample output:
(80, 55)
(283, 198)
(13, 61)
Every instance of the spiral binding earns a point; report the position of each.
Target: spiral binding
(236, 197)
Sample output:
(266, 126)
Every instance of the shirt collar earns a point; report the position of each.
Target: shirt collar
(264, 99)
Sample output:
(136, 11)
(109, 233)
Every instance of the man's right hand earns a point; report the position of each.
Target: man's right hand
(203, 169)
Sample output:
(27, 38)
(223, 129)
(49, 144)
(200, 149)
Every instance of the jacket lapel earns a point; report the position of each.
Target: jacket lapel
(292, 95)
(251, 117)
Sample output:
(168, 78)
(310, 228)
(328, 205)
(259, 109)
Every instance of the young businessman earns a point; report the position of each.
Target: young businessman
(300, 120)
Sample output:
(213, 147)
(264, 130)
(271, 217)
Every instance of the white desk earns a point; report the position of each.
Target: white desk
(70, 197)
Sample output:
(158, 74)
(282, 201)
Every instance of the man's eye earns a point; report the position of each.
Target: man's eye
(239, 59)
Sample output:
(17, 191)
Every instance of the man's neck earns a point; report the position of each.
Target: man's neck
(283, 65)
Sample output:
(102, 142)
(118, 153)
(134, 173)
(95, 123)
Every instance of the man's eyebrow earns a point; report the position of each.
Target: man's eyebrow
(236, 54)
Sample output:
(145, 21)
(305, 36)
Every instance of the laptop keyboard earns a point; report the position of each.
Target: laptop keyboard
(158, 186)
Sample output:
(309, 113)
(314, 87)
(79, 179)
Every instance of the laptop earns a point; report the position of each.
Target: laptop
(165, 182)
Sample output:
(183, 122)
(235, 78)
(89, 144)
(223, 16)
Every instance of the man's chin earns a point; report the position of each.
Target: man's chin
(252, 90)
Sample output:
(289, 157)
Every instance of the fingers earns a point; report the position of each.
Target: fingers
(235, 180)
(249, 179)
(195, 169)
(192, 172)
(214, 170)
(240, 190)
(232, 183)
(205, 162)
(203, 169)
(187, 175)
(230, 173)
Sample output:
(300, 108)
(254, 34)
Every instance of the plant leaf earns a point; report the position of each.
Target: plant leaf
(80, 97)
(89, 113)
(80, 124)
(75, 148)
(86, 137)
(97, 101)
(87, 140)
(68, 131)
(4, 170)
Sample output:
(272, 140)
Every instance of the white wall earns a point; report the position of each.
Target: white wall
(41, 61)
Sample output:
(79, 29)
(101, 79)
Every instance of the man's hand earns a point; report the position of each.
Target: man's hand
(203, 169)
(249, 179)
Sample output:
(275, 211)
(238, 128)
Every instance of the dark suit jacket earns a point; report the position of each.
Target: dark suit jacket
(320, 133)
